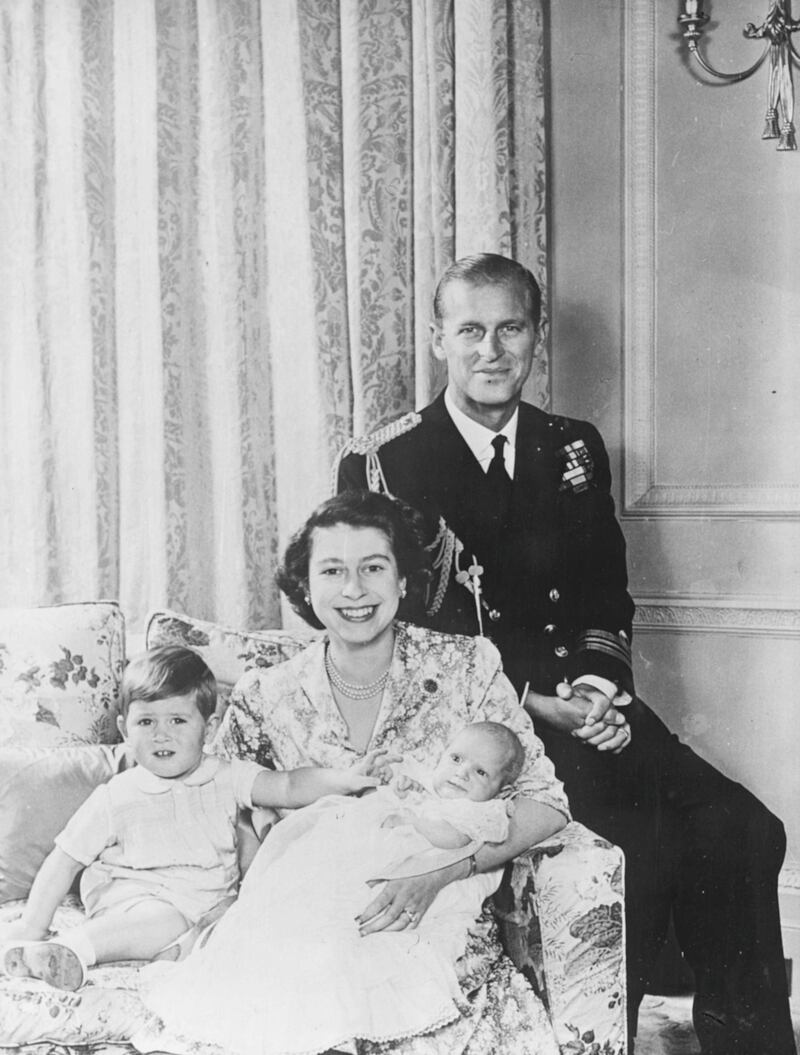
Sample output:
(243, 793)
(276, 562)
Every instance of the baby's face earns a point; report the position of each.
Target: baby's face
(472, 767)
(166, 736)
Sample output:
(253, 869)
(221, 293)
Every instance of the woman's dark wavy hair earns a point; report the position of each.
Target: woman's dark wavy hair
(489, 269)
(402, 526)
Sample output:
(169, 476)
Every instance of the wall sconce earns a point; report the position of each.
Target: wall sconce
(776, 29)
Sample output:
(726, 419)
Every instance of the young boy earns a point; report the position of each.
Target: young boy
(157, 842)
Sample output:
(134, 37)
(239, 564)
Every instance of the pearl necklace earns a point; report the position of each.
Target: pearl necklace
(346, 688)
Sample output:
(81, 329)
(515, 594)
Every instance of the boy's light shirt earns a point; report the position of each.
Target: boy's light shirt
(244, 771)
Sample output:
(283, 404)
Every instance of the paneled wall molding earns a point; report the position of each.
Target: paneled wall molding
(695, 615)
(643, 496)
(764, 502)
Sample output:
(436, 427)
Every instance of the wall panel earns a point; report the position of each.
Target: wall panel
(676, 323)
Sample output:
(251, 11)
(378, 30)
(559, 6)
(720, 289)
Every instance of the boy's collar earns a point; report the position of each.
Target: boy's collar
(154, 785)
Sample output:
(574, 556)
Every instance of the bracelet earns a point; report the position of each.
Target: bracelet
(473, 866)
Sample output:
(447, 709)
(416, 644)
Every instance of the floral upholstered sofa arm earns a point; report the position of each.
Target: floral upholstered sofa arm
(561, 915)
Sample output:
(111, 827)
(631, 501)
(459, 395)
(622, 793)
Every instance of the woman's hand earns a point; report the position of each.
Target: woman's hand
(402, 903)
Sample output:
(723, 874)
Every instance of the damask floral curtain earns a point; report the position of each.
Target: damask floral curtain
(220, 225)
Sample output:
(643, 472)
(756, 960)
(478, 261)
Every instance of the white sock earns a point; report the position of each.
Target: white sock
(79, 943)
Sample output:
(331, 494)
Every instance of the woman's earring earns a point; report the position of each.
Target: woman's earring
(307, 599)
(403, 592)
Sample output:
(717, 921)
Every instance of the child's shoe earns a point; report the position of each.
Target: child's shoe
(52, 962)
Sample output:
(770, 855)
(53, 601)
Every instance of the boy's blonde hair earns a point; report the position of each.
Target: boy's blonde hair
(509, 742)
(171, 670)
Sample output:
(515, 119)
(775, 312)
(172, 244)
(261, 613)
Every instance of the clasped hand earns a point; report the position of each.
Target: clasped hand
(586, 713)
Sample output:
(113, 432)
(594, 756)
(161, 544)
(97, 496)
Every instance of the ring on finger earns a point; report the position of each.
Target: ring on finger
(413, 916)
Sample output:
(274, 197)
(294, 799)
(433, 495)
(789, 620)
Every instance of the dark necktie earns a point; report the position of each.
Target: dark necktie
(497, 476)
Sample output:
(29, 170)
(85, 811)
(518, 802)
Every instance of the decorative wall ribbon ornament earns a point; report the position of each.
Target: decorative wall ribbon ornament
(776, 29)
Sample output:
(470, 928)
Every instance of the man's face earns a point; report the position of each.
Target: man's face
(487, 338)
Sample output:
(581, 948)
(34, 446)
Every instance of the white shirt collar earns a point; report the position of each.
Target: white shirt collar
(155, 785)
(479, 439)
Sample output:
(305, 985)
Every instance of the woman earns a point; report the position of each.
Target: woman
(374, 684)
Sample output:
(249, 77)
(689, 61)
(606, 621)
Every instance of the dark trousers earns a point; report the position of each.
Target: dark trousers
(701, 847)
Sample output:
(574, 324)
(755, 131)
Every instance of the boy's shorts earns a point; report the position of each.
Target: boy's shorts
(102, 891)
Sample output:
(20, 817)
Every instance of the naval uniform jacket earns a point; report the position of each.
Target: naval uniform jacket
(697, 846)
(554, 581)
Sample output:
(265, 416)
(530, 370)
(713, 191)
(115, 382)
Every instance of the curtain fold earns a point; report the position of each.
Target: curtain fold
(222, 221)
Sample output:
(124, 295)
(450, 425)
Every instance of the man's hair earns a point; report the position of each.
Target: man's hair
(509, 742)
(171, 670)
(402, 526)
(489, 269)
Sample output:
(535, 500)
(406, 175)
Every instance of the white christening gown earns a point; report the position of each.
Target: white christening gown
(286, 971)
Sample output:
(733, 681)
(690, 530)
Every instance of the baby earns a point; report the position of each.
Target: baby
(295, 933)
(464, 798)
(157, 842)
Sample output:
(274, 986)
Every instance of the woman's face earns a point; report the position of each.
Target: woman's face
(353, 582)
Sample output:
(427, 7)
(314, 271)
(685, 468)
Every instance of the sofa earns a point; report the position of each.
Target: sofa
(559, 908)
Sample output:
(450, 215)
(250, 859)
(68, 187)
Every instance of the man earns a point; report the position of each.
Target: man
(528, 551)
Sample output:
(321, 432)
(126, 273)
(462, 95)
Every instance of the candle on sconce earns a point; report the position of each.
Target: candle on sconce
(692, 8)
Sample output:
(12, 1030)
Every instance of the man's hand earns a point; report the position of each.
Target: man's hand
(605, 726)
(584, 712)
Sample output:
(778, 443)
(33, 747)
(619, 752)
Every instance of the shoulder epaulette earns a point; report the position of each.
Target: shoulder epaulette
(373, 441)
(369, 445)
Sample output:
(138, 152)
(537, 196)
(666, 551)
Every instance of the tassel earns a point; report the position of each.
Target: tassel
(787, 140)
(771, 124)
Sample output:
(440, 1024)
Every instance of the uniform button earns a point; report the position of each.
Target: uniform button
(555, 595)
(550, 628)
(561, 651)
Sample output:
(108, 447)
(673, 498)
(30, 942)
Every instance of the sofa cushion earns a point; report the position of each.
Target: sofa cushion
(40, 789)
(228, 652)
(61, 665)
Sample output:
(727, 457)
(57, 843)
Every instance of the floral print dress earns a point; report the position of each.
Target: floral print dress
(286, 717)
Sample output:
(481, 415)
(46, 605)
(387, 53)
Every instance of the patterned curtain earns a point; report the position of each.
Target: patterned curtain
(220, 225)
